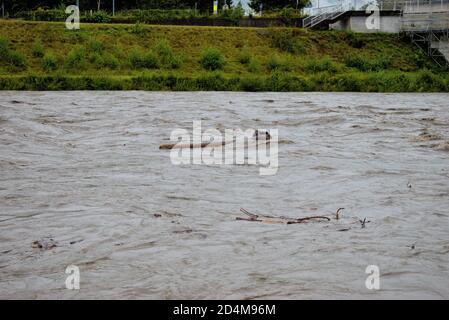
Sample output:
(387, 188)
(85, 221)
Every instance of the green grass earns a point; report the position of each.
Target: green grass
(45, 55)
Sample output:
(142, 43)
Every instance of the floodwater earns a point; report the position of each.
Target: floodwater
(85, 169)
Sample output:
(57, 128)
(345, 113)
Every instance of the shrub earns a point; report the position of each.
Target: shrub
(319, 65)
(354, 40)
(285, 40)
(4, 46)
(245, 57)
(119, 51)
(140, 60)
(277, 64)
(150, 61)
(38, 49)
(136, 59)
(96, 46)
(109, 61)
(76, 58)
(348, 82)
(154, 15)
(49, 62)
(137, 29)
(233, 15)
(363, 63)
(287, 14)
(14, 59)
(17, 60)
(166, 56)
(100, 17)
(254, 65)
(212, 59)
(427, 81)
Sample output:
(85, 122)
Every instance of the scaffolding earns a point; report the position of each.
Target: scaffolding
(426, 23)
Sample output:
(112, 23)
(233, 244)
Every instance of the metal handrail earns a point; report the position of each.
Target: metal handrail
(330, 12)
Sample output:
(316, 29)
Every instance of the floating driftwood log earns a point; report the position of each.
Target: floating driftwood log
(169, 146)
(265, 218)
(281, 220)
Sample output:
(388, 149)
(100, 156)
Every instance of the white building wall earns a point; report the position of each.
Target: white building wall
(388, 24)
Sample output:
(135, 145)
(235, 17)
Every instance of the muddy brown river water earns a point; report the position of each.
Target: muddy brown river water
(84, 169)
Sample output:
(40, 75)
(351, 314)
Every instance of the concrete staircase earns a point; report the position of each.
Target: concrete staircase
(324, 18)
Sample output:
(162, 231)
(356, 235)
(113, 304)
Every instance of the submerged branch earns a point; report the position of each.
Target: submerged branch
(278, 219)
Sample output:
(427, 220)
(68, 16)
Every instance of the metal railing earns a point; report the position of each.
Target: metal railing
(424, 22)
(425, 6)
(330, 13)
(407, 8)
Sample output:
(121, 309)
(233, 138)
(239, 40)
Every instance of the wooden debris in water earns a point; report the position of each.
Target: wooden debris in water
(337, 215)
(278, 220)
(45, 243)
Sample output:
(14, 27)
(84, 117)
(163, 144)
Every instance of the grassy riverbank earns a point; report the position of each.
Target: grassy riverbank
(46, 56)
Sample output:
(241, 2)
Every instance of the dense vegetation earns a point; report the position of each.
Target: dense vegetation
(46, 56)
(25, 5)
(232, 15)
(256, 5)
(202, 5)
(150, 10)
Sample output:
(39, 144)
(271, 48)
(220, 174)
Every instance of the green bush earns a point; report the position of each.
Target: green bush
(426, 81)
(17, 60)
(212, 59)
(140, 60)
(319, 65)
(156, 15)
(354, 40)
(137, 28)
(277, 64)
(285, 40)
(110, 61)
(38, 49)
(49, 62)
(245, 57)
(254, 65)
(100, 17)
(96, 46)
(13, 59)
(363, 63)
(166, 56)
(76, 58)
(4, 46)
(288, 14)
(233, 15)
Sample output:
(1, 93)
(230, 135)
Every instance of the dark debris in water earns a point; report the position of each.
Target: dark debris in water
(264, 218)
(76, 241)
(48, 243)
(183, 231)
(364, 222)
(45, 244)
